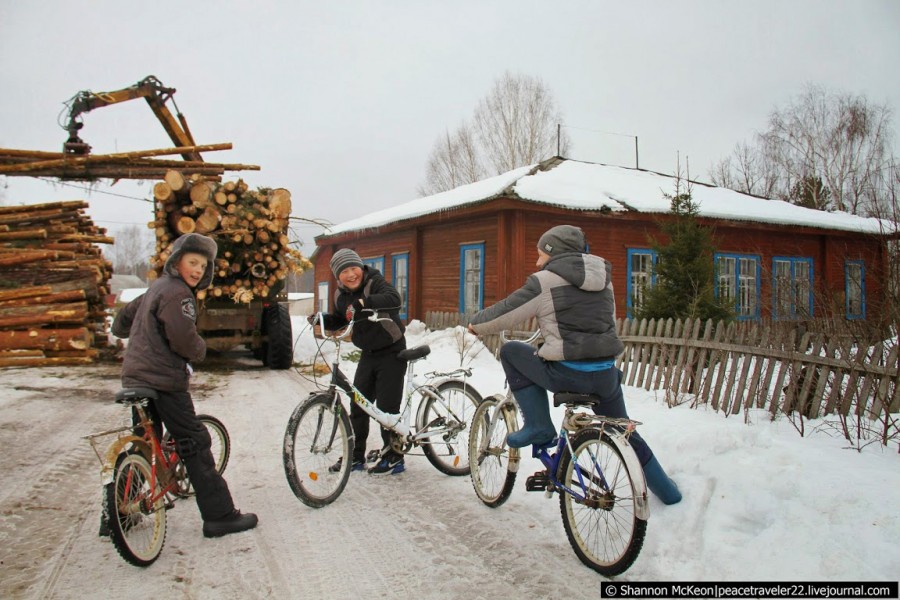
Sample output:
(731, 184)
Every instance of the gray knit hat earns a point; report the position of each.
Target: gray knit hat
(343, 258)
(562, 238)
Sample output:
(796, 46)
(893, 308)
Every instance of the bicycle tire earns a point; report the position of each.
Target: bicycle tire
(137, 526)
(220, 447)
(604, 532)
(493, 471)
(317, 435)
(449, 454)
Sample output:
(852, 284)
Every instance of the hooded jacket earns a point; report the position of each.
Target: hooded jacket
(161, 324)
(572, 299)
(380, 295)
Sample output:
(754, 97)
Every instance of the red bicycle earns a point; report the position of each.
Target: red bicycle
(143, 476)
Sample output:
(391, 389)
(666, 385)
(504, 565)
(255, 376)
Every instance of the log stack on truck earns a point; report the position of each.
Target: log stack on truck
(245, 304)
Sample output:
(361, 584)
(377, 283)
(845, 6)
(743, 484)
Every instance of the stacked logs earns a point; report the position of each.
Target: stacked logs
(140, 164)
(53, 285)
(249, 226)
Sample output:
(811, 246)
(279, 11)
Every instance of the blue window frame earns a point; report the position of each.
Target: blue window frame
(400, 275)
(376, 262)
(855, 289)
(641, 277)
(737, 278)
(792, 287)
(471, 278)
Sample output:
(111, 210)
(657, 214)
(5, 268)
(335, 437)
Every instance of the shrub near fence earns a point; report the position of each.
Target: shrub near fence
(783, 369)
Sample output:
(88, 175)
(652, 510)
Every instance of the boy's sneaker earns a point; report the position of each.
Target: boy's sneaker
(391, 464)
(356, 465)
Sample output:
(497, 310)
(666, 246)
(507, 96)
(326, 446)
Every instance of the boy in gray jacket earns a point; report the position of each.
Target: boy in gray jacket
(163, 341)
(572, 298)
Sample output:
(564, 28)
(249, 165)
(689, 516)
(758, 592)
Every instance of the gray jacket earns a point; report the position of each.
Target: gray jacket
(572, 298)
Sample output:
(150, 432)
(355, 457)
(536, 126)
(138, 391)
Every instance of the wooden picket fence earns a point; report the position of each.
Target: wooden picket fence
(782, 368)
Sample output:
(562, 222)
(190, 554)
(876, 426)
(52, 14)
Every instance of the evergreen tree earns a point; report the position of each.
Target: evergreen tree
(685, 274)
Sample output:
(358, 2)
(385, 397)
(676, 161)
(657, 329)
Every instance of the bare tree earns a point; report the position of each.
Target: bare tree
(515, 125)
(453, 162)
(824, 150)
(131, 253)
(748, 169)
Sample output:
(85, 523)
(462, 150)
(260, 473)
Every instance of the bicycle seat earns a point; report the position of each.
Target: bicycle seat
(575, 399)
(416, 353)
(135, 395)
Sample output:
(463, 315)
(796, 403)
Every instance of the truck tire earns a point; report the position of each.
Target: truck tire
(279, 349)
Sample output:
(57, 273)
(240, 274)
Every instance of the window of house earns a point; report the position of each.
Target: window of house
(792, 287)
(641, 277)
(322, 297)
(855, 289)
(376, 263)
(737, 278)
(400, 273)
(471, 277)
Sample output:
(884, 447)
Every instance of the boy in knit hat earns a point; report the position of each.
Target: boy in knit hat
(572, 298)
(163, 342)
(362, 290)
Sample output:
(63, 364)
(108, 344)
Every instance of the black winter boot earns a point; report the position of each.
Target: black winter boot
(232, 523)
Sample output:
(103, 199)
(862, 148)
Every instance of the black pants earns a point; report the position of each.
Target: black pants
(176, 411)
(379, 376)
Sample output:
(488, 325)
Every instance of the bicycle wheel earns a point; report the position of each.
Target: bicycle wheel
(137, 523)
(449, 453)
(318, 435)
(603, 528)
(493, 467)
(220, 447)
(221, 442)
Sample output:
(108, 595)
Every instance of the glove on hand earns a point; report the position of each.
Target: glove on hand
(354, 307)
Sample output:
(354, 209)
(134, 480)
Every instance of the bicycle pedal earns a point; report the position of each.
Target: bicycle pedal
(537, 482)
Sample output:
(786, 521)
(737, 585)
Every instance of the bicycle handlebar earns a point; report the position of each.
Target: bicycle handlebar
(319, 319)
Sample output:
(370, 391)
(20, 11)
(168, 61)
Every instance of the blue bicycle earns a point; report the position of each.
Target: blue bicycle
(591, 465)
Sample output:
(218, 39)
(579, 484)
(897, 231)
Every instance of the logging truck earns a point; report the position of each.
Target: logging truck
(245, 305)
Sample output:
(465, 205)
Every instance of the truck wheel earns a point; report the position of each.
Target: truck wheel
(279, 350)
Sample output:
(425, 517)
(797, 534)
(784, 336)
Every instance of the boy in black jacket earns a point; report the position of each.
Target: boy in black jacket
(379, 375)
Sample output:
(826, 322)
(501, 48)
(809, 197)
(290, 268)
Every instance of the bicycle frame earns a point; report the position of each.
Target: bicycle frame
(148, 444)
(396, 422)
(618, 430)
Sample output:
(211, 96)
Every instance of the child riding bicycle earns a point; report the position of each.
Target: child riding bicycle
(163, 341)
(572, 298)
(380, 372)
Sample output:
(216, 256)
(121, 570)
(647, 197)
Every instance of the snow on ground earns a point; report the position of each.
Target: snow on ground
(760, 502)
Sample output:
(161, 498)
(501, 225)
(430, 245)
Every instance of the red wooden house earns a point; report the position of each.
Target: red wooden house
(464, 249)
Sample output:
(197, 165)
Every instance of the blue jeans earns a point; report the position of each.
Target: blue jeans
(523, 367)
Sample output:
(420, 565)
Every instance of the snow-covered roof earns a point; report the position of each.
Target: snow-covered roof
(588, 186)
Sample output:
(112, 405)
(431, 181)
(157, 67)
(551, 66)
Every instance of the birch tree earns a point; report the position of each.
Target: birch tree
(514, 125)
(826, 150)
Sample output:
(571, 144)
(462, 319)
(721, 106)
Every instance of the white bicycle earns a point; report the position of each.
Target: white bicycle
(319, 432)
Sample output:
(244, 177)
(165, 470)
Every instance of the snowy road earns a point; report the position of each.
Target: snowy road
(421, 534)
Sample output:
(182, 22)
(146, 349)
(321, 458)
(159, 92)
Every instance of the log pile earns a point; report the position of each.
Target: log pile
(53, 284)
(139, 164)
(250, 228)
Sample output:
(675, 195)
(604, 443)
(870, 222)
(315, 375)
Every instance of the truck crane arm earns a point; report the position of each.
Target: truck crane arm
(151, 90)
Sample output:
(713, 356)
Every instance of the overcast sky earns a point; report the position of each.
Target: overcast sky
(341, 102)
